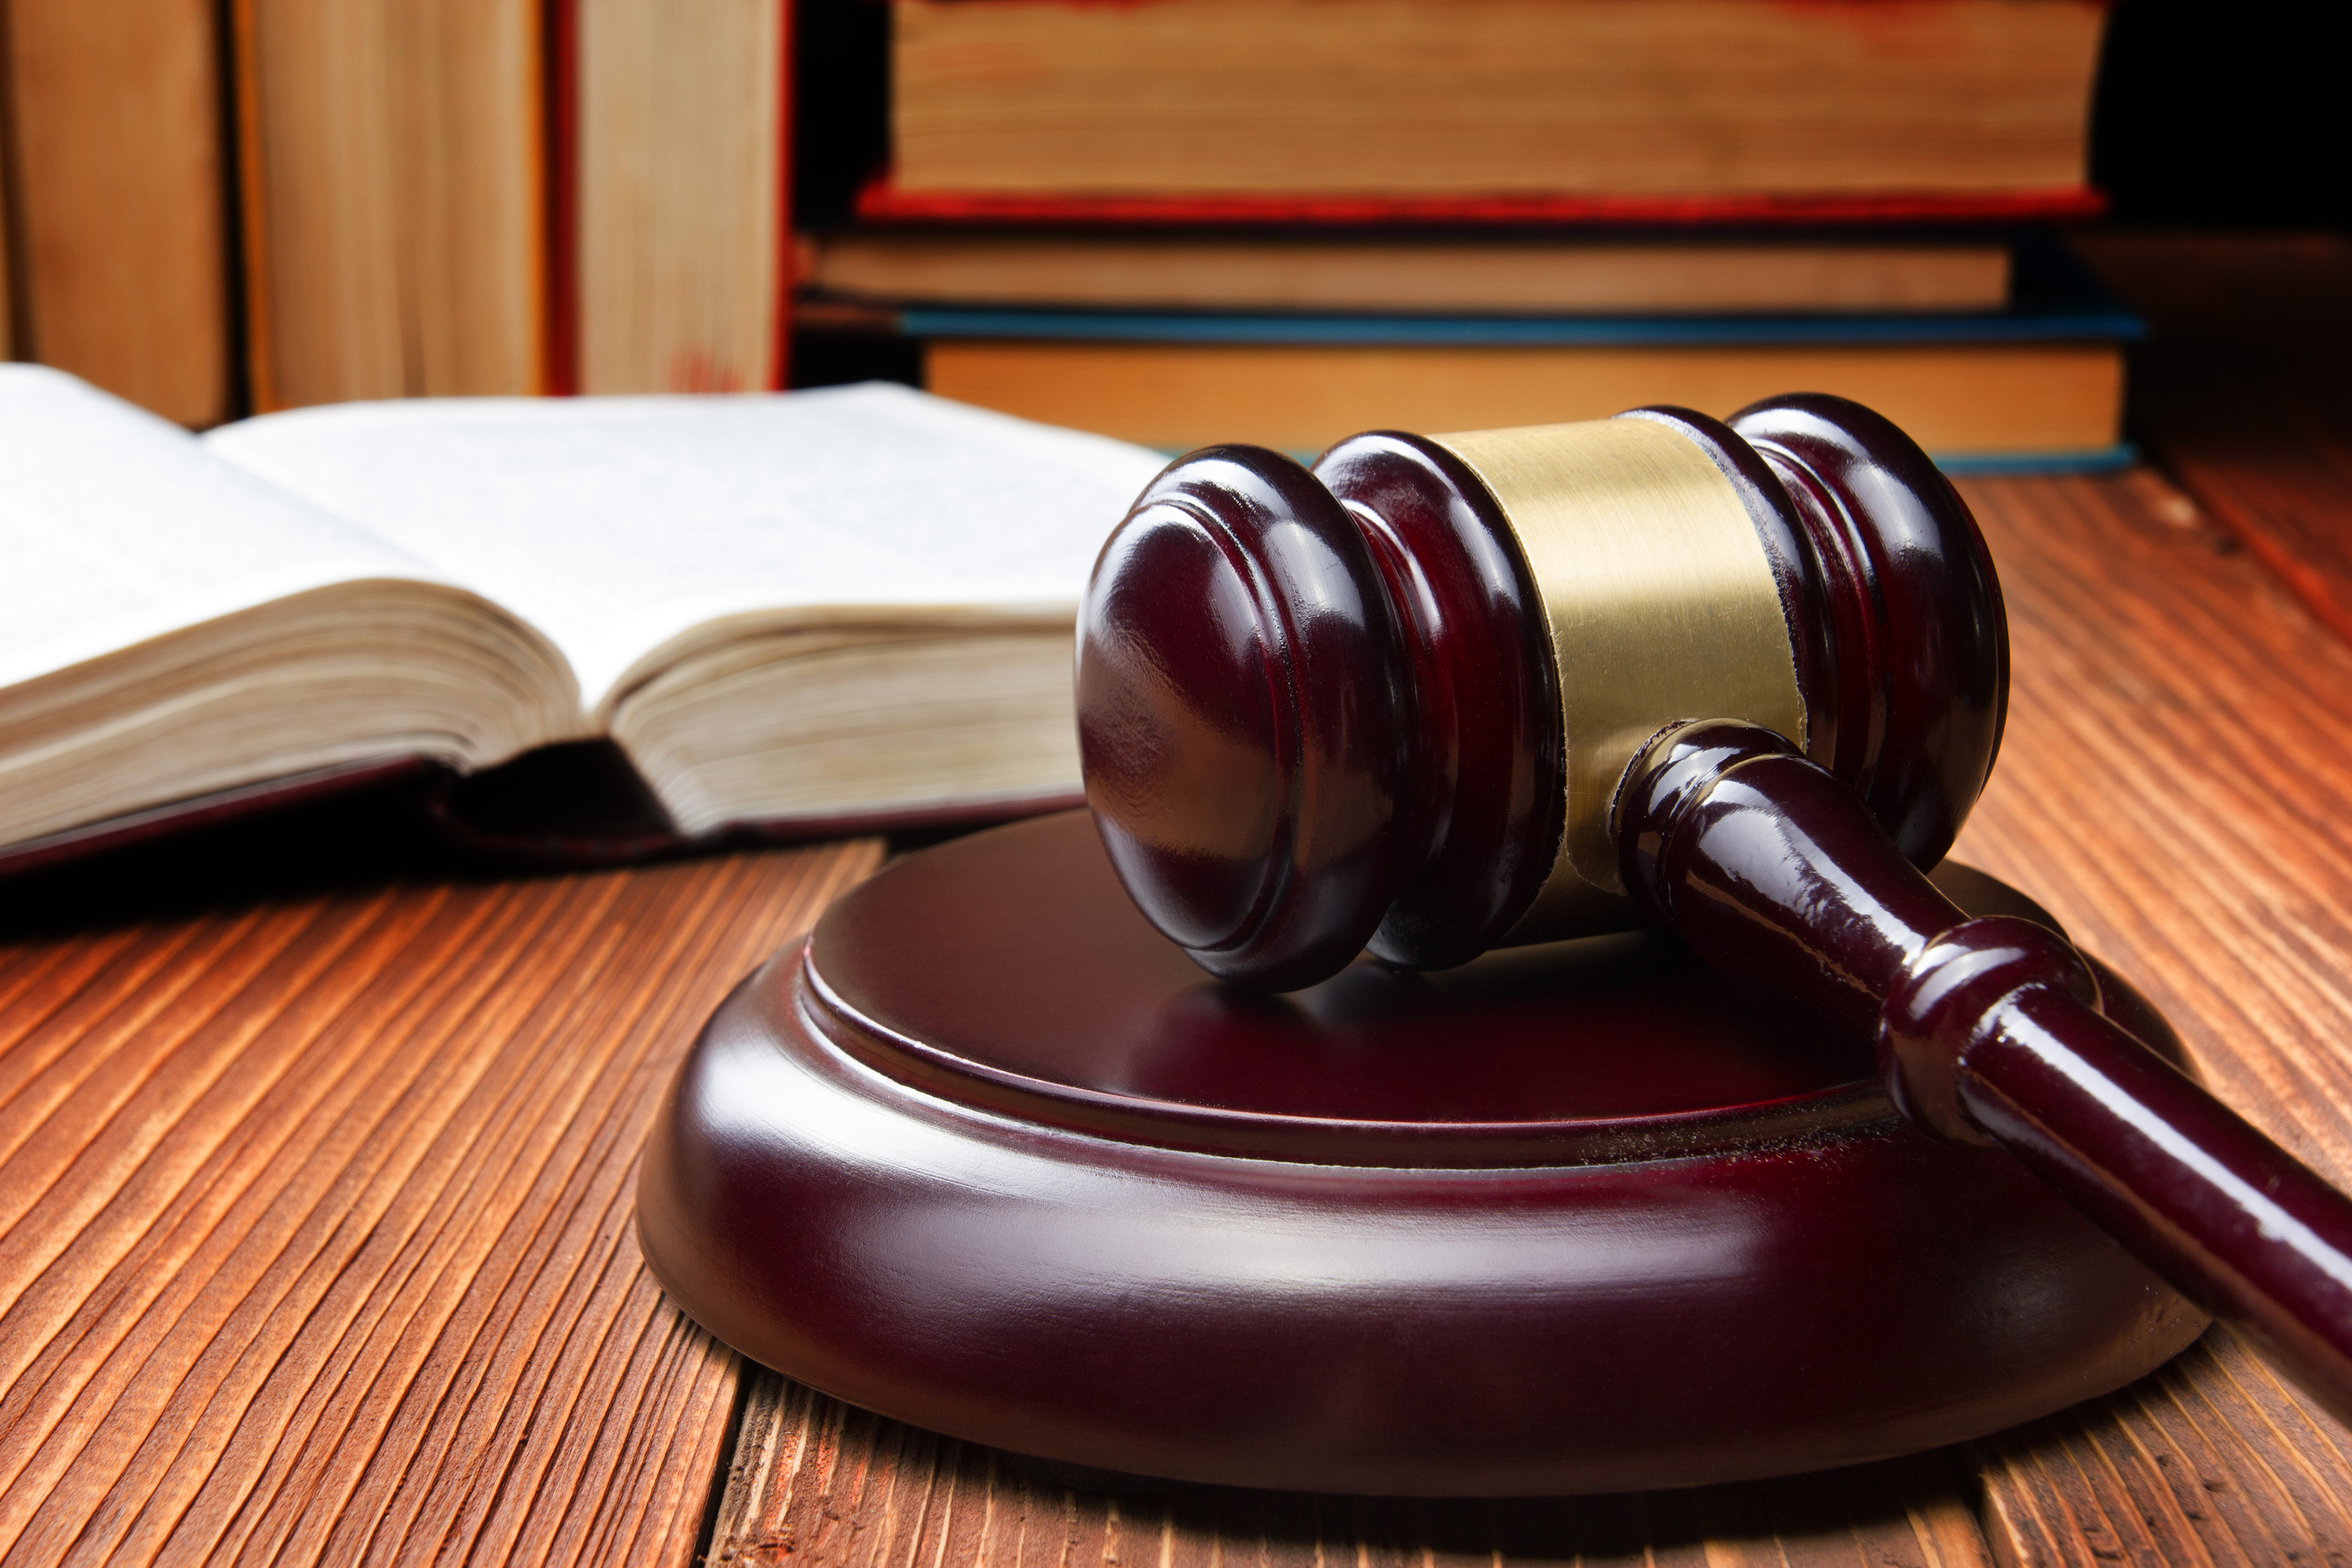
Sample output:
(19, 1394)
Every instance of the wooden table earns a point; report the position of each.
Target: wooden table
(316, 1151)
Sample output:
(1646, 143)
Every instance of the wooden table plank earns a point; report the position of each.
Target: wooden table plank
(814, 1481)
(2172, 788)
(315, 1222)
(2241, 393)
(2212, 1460)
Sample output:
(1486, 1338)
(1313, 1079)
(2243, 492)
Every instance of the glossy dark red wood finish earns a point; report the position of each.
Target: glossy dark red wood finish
(1070, 1016)
(1914, 618)
(1484, 757)
(2235, 1221)
(991, 1156)
(1240, 719)
(1990, 1032)
(1308, 725)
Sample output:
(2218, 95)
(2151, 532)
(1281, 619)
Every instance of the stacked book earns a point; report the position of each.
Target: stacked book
(1286, 220)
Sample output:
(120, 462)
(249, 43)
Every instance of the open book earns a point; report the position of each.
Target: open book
(850, 602)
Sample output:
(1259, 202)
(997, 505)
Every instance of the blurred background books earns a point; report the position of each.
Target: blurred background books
(1172, 221)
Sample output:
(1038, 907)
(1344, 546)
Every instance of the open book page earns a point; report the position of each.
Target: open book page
(632, 529)
(171, 626)
(117, 527)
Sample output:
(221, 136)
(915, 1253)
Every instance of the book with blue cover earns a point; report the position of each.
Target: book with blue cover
(2036, 384)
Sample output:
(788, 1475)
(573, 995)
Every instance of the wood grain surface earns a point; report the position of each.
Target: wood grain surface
(316, 1236)
(2172, 789)
(2218, 872)
(2240, 393)
(816, 1481)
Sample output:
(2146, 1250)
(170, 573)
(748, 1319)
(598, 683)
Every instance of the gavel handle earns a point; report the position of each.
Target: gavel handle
(1988, 1031)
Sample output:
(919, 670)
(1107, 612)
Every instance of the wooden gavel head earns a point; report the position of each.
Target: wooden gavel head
(1390, 701)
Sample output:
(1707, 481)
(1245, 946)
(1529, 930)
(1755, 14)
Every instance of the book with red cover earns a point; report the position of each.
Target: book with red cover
(883, 201)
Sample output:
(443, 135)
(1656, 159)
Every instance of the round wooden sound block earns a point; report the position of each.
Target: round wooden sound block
(991, 1155)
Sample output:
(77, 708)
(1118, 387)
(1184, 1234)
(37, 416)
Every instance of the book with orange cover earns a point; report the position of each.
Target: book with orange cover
(1463, 112)
(910, 266)
(802, 612)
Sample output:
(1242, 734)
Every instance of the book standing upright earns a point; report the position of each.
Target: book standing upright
(462, 199)
(669, 193)
(117, 199)
(392, 160)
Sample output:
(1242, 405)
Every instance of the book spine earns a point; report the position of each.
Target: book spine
(2101, 322)
(676, 268)
(560, 30)
(883, 201)
(260, 328)
(779, 364)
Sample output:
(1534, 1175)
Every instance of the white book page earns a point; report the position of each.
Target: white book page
(615, 525)
(117, 526)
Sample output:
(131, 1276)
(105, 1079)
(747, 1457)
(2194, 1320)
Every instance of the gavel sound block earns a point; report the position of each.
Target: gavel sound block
(994, 1153)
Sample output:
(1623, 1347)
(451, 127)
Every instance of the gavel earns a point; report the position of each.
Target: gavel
(1436, 694)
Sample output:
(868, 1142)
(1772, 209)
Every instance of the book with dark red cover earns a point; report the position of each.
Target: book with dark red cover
(882, 201)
